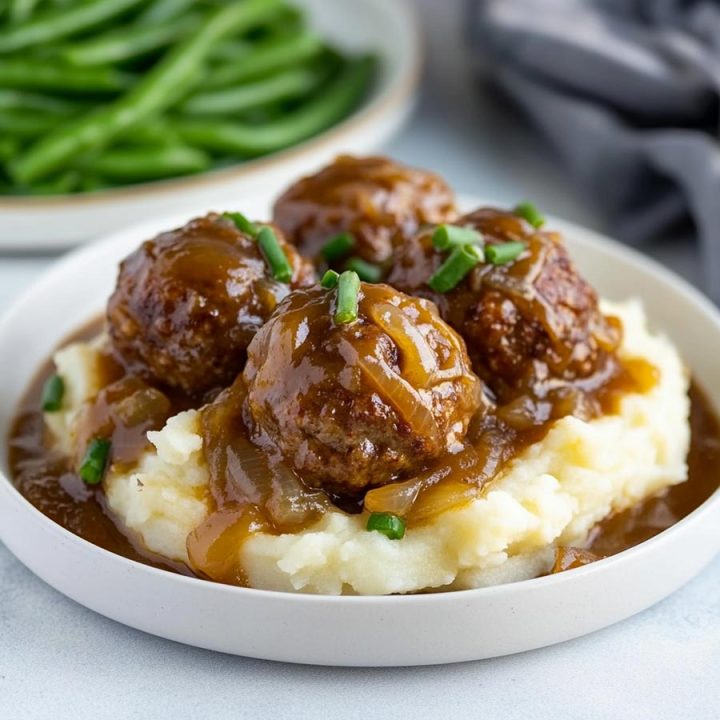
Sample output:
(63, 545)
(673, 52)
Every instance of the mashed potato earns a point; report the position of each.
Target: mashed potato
(553, 492)
(80, 368)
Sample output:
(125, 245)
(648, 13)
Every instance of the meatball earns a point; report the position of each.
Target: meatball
(528, 323)
(373, 198)
(187, 303)
(356, 405)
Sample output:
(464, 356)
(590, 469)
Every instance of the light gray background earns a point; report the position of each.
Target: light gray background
(59, 660)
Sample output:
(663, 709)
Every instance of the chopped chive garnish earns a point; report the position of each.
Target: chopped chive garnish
(366, 271)
(348, 297)
(529, 212)
(336, 248)
(388, 524)
(458, 264)
(329, 279)
(450, 236)
(274, 255)
(52, 393)
(504, 253)
(242, 223)
(95, 461)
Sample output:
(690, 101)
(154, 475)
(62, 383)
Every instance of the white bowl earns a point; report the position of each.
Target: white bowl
(370, 631)
(390, 29)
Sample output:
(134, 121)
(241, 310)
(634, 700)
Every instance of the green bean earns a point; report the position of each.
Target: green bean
(331, 104)
(19, 100)
(60, 23)
(8, 147)
(283, 86)
(288, 21)
(137, 164)
(93, 183)
(263, 114)
(284, 26)
(21, 10)
(62, 185)
(26, 123)
(157, 90)
(44, 75)
(150, 135)
(230, 51)
(275, 54)
(163, 10)
(129, 42)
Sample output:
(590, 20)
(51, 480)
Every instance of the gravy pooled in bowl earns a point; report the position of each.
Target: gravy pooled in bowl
(482, 417)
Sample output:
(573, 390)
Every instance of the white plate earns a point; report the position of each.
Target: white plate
(390, 29)
(400, 630)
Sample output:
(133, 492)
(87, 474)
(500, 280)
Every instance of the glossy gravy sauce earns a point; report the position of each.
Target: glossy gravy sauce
(49, 482)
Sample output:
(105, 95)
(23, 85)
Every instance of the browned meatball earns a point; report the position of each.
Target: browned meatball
(527, 323)
(373, 198)
(187, 303)
(356, 405)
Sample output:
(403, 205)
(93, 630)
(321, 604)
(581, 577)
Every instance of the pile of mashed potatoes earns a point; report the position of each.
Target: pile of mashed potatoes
(552, 493)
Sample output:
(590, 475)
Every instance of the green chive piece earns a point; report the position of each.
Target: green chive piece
(458, 264)
(348, 297)
(52, 393)
(274, 255)
(529, 212)
(504, 253)
(446, 237)
(329, 279)
(337, 247)
(242, 223)
(366, 271)
(388, 524)
(95, 461)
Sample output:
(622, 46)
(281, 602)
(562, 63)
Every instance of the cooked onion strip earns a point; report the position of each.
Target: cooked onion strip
(395, 390)
(243, 474)
(439, 498)
(418, 359)
(290, 504)
(214, 547)
(396, 498)
(454, 481)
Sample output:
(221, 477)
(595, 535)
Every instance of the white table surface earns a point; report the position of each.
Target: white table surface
(59, 660)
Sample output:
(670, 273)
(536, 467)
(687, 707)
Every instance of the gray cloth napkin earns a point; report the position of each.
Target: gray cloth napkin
(628, 91)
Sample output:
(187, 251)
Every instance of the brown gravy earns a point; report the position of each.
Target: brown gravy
(50, 484)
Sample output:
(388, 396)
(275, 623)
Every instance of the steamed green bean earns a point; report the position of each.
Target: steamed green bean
(8, 147)
(129, 42)
(162, 10)
(275, 54)
(21, 100)
(60, 185)
(153, 94)
(25, 123)
(21, 10)
(283, 86)
(284, 26)
(61, 23)
(150, 134)
(35, 74)
(339, 97)
(230, 51)
(93, 183)
(138, 164)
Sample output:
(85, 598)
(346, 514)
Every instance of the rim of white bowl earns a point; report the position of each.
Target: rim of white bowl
(400, 90)
(580, 236)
